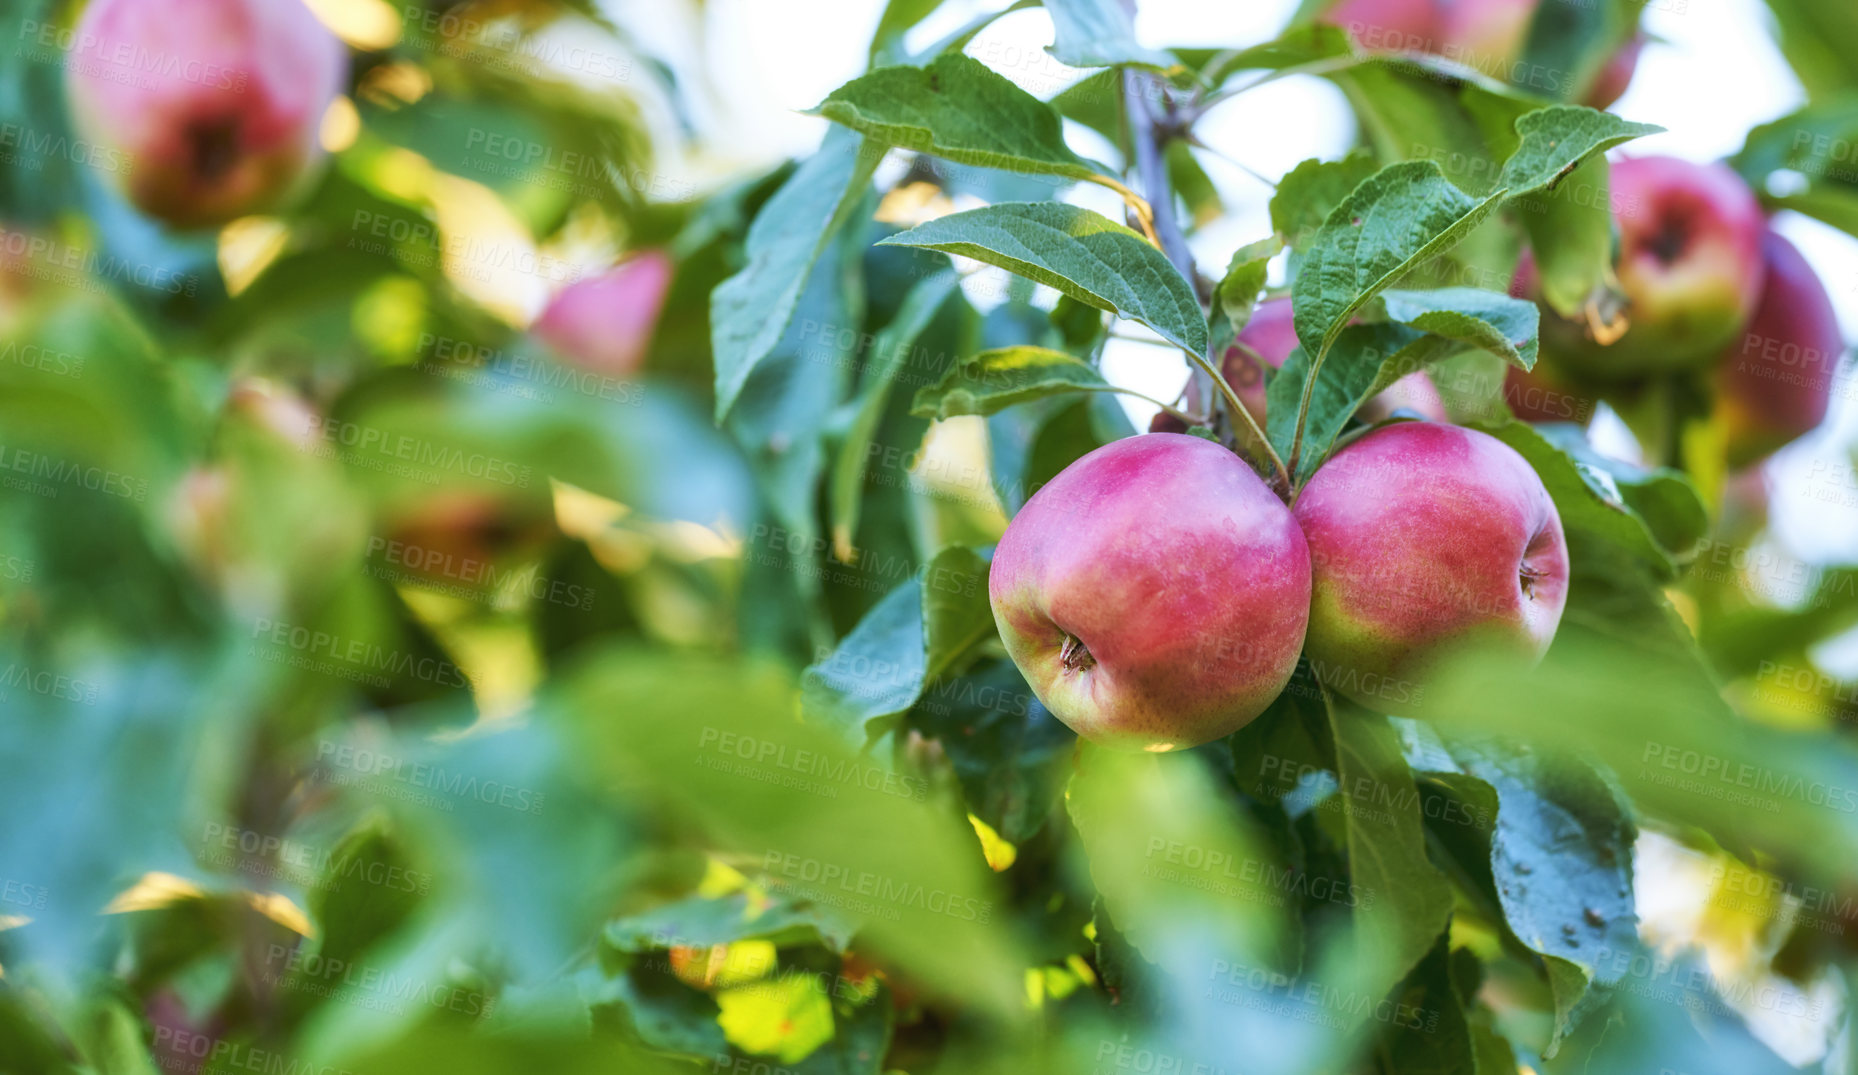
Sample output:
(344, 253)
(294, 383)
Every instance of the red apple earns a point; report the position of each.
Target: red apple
(1268, 338)
(1689, 265)
(1154, 594)
(1486, 34)
(1388, 25)
(1425, 538)
(1610, 84)
(605, 323)
(213, 107)
(1773, 384)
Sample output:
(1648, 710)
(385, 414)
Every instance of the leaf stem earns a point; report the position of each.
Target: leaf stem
(1237, 410)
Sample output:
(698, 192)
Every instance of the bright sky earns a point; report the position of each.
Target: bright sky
(1713, 74)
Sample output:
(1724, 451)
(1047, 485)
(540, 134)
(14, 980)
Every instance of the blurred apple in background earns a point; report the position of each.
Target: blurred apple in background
(1774, 383)
(1689, 268)
(605, 323)
(214, 106)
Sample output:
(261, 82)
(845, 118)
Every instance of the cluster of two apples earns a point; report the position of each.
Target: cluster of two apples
(1706, 289)
(1158, 595)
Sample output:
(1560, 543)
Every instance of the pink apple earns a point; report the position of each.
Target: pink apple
(1689, 265)
(1610, 84)
(1486, 34)
(1425, 538)
(1154, 594)
(605, 323)
(1388, 25)
(213, 108)
(1267, 340)
(1773, 383)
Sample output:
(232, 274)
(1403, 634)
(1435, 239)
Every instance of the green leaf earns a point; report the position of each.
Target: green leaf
(1400, 217)
(890, 352)
(1310, 192)
(1424, 327)
(367, 891)
(1586, 500)
(750, 311)
(1412, 901)
(1547, 843)
(992, 381)
(1816, 35)
(1007, 750)
(1099, 33)
(1556, 140)
(1419, 108)
(898, 17)
(1080, 253)
(1663, 498)
(1487, 320)
(1571, 236)
(959, 109)
(918, 632)
(1237, 292)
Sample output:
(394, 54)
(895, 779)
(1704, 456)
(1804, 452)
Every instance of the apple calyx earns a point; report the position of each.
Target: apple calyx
(1075, 656)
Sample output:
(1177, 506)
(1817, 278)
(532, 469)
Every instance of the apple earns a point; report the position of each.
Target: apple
(1425, 538)
(1610, 84)
(1267, 340)
(1774, 383)
(1154, 594)
(212, 108)
(1486, 34)
(605, 323)
(1388, 25)
(1689, 268)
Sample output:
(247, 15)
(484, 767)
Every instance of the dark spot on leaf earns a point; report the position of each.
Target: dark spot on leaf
(1595, 919)
(1356, 222)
